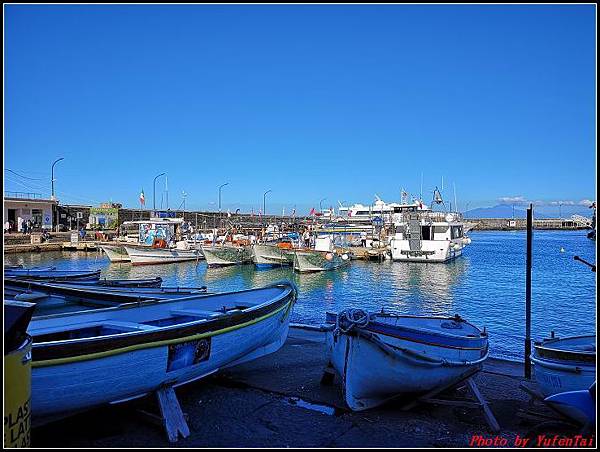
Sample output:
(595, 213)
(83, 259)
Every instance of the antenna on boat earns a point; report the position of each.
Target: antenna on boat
(455, 203)
(421, 192)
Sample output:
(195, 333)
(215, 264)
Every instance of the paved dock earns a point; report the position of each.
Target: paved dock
(278, 401)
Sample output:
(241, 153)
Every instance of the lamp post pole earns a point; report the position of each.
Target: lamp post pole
(154, 191)
(220, 187)
(265, 204)
(52, 180)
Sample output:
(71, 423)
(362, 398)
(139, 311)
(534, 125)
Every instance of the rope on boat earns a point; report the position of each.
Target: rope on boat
(348, 319)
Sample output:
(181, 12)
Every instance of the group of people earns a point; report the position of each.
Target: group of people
(24, 226)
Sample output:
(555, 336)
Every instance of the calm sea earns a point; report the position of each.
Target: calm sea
(486, 286)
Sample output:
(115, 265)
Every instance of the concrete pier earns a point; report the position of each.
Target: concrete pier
(278, 401)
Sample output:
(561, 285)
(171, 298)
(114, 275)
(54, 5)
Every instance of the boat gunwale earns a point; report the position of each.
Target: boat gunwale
(61, 350)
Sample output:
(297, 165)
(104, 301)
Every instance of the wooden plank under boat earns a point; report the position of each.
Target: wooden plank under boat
(383, 356)
(85, 359)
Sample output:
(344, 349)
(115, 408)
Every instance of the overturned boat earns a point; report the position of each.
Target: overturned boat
(223, 255)
(563, 365)
(383, 356)
(85, 359)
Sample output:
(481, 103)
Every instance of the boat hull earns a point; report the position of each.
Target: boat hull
(317, 261)
(52, 274)
(115, 253)
(436, 251)
(67, 382)
(563, 372)
(152, 256)
(373, 374)
(268, 256)
(221, 256)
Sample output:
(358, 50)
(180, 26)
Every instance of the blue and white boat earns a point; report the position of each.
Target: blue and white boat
(51, 273)
(564, 365)
(84, 359)
(383, 356)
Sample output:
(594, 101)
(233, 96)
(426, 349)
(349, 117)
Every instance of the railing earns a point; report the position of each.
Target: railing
(22, 195)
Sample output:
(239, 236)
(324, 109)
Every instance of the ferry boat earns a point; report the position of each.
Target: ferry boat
(422, 235)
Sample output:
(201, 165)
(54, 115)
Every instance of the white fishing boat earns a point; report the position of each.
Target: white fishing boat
(145, 255)
(422, 235)
(266, 256)
(563, 365)
(84, 359)
(224, 255)
(116, 253)
(324, 257)
(383, 356)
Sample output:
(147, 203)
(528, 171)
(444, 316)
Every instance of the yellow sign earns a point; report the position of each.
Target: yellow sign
(17, 396)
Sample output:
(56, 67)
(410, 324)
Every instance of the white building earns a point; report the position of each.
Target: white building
(20, 207)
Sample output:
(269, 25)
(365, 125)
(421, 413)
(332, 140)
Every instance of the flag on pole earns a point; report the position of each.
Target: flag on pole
(142, 198)
(294, 212)
(312, 211)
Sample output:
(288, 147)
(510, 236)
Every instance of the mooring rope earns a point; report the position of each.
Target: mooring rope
(348, 319)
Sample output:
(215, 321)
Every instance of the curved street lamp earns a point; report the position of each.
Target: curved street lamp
(52, 180)
(265, 203)
(154, 191)
(220, 187)
(321, 205)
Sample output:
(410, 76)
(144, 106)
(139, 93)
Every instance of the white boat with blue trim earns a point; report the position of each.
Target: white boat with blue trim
(89, 358)
(383, 356)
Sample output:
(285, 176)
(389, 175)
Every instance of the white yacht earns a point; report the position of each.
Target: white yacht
(422, 235)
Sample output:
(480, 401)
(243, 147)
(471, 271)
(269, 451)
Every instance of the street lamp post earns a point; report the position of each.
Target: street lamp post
(154, 190)
(52, 180)
(265, 203)
(321, 205)
(220, 187)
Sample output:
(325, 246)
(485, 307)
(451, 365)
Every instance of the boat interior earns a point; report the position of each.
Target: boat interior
(150, 316)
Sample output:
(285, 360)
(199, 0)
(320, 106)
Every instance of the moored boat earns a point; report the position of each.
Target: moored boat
(267, 256)
(223, 255)
(383, 356)
(563, 365)
(104, 282)
(316, 261)
(135, 350)
(143, 255)
(51, 273)
(116, 253)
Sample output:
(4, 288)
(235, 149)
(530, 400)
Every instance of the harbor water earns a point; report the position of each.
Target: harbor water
(486, 286)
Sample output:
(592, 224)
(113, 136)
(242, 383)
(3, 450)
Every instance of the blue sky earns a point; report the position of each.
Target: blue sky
(312, 102)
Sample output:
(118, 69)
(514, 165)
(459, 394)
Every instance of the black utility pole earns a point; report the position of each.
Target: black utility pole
(528, 292)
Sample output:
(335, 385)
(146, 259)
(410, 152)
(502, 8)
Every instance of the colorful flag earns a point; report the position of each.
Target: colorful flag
(312, 211)
(142, 198)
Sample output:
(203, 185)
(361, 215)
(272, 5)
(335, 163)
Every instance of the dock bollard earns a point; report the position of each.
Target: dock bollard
(17, 395)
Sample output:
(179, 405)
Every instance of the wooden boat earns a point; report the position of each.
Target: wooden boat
(143, 255)
(104, 282)
(268, 256)
(222, 255)
(316, 261)
(382, 356)
(55, 297)
(85, 359)
(116, 253)
(564, 365)
(47, 273)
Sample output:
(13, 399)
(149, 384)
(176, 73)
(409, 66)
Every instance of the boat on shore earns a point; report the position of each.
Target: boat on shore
(383, 356)
(133, 351)
(565, 364)
(224, 255)
(144, 255)
(268, 256)
(51, 273)
(115, 253)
